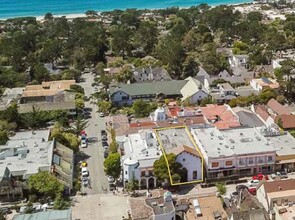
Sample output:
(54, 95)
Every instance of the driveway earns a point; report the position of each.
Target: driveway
(94, 149)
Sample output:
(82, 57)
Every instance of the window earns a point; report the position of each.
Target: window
(142, 173)
(183, 160)
(260, 159)
(215, 164)
(228, 163)
(241, 162)
(126, 172)
(269, 159)
(251, 161)
(195, 175)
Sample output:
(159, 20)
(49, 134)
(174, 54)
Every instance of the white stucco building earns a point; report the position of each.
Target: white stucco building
(140, 150)
(194, 91)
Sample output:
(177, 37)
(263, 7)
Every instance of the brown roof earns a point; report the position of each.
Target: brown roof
(288, 121)
(261, 111)
(49, 88)
(139, 209)
(278, 108)
(178, 150)
(279, 185)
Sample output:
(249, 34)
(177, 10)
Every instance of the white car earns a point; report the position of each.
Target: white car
(111, 179)
(253, 183)
(101, 114)
(84, 172)
(83, 143)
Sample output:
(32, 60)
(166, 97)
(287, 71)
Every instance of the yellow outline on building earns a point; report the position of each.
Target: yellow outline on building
(164, 153)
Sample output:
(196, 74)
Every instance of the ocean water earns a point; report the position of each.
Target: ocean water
(19, 8)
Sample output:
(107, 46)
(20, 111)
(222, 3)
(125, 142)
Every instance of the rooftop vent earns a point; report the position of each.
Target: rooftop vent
(231, 141)
(154, 204)
(161, 205)
(226, 146)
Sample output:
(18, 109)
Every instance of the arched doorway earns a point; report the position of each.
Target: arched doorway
(152, 182)
(143, 183)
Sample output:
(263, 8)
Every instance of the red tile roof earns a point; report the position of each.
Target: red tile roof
(279, 185)
(278, 108)
(288, 121)
(222, 114)
(178, 150)
(148, 124)
(261, 111)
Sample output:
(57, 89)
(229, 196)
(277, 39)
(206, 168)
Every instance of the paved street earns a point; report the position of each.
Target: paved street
(94, 150)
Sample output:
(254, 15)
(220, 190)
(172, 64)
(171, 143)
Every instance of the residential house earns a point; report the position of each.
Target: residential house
(139, 152)
(46, 215)
(26, 154)
(239, 60)
(234, 152)
(46, 91)
(52, 69)
(287, 122)
(193, 91)
(201, 76)
(221, 116)
(225, 94)
(245, 91)
(275, 108)
(52, 95)
(179, 142)
(9, 95)
(263, 82)
(278, 198)
(158, 207)
(151, 74)
(126, 94)
(262, 113)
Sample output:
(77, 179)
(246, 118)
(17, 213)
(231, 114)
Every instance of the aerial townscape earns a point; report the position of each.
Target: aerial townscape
(176, 112)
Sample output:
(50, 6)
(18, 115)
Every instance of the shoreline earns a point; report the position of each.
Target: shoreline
(81, 15)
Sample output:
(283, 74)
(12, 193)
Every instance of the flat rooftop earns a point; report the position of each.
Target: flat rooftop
(160, 206)
(284, 144)
(217, 143)
(142, 146)
(26, 155)
(171, 138)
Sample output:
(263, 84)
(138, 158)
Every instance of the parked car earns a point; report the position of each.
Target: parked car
(5, 210)
(260, 177)
(83, 143)
(84, 172)
(252, 191)
(282, 174)
(105, 145)
(103, 132)
(105, 154)
(111, 179)
(241, 187)
(104, 138)
(252, 183)
(112, 186)
(101, 114)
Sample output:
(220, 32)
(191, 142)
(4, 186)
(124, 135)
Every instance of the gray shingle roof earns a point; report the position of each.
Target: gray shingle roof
(47, 215)
(172, 87)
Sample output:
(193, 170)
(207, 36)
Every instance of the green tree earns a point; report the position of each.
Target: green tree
(35, 118)
(46, 184)
(132, 185)
(112, 165)
(147, 36)
(3, 137)
(221, 188)
(281, 99)
(48, 17)
(71, 74)
(99, 68)
(79, 103)
(60, 203)
(104, 106)
(121, 40)
(141, 108)
(79, 125)
(190, 67)
(177, 172)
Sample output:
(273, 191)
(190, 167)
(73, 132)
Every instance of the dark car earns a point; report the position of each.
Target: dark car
(103, 132)
(105, 144)
(241, 187)
(105, 154)
(5, 210)
(112, 187)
